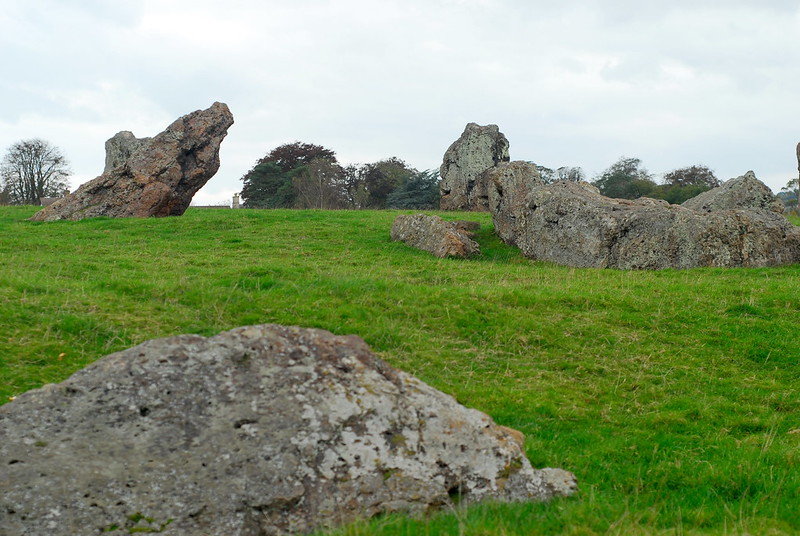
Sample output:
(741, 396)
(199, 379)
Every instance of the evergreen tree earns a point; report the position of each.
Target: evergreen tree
(419, 192)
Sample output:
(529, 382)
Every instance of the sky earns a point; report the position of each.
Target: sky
(570, 83)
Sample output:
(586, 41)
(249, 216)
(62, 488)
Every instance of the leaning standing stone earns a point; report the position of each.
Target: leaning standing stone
(150, 176)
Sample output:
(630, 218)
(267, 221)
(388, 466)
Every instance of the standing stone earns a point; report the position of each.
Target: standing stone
(260, 430)
(798, 159)
(150, 176)
(463, 185)
(508, 186)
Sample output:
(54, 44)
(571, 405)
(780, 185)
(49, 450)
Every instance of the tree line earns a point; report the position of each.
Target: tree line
(627, 178)
(303, 175)
(307, 176)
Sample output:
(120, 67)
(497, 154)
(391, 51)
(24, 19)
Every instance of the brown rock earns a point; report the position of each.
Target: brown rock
(259, 430)
(469, 227)
(435, 235)
(150, 176)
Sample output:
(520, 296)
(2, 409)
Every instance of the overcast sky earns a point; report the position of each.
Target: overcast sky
(579, 83)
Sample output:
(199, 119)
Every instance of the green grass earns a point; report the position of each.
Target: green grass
(673, 395)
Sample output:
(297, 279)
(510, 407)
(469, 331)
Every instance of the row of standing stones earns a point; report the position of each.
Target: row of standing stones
(737, 224)
(260, 430)
(740, 223)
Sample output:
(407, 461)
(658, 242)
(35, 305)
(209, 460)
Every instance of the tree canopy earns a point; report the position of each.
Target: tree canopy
(625, 179)
(791, 194)
(696, 175)
(319, 184)
(686, 182)
(420, 191)
(383, 177)
(267, 186)
(33, 169)
(290, 156)
(283, 178)
(628, 179)
(304, 175)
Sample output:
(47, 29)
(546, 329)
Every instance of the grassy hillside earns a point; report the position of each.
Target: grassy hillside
(673, 395)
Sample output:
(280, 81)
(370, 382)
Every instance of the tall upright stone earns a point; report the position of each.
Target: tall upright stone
(150, 176)
(798, 159)
(463, 185)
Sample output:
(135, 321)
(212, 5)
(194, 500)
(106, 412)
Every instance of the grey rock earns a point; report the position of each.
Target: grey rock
(508, 185)
(462, 185)
(47, 201)
(260, 430)
(435, 235)
(150, 176)
(121, 147)
(745, 192)
(572, 224)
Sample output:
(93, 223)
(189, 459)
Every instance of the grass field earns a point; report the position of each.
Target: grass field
(673, 395)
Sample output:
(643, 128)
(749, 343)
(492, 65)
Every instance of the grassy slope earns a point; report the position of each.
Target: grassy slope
(673, 395)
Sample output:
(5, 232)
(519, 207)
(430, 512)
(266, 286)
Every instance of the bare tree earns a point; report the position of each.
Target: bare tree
(319, 184)
(32, 169)
(570, 174)
(564, 173)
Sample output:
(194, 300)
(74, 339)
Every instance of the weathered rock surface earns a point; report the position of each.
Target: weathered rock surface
(745, 192)
(121, 147)
(435, 235)
(259, 430)
(462, 185)
(572, 224)
(150, 176)
(508, 186)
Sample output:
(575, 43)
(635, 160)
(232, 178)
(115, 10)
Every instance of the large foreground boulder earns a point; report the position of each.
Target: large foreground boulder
(150, 176)
(257, 431)
(572, 224)
(463, 186)
(435, 235)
